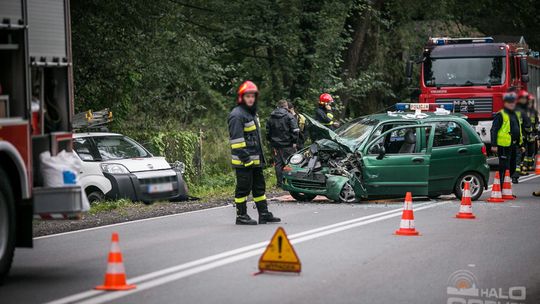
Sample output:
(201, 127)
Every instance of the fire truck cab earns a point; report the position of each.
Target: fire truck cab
(36, 108)
(472, 74)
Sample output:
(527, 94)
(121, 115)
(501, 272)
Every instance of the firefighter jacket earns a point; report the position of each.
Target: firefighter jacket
(324, 116)
(245, 138)
(282, 129)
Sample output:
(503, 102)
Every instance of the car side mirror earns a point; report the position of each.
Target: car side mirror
(379, 150)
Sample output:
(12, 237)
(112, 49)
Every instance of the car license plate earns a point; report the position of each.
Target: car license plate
(155, 188)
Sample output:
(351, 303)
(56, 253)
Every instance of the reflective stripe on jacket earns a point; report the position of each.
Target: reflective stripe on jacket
(245, 138)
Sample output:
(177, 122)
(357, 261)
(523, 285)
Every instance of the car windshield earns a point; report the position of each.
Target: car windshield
(464, 71)
(357, 130)
(118, 147)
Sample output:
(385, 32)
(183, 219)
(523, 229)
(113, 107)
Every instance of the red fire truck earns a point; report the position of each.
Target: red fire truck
(472, 74)
(36, 107)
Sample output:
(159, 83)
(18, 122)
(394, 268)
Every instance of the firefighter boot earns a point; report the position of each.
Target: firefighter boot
(242, 218)
(266, 216)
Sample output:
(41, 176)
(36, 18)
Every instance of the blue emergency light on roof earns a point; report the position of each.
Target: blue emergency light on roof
(448, 40)
(430, 107)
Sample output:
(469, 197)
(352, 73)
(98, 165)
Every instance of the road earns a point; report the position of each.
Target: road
(348, 255)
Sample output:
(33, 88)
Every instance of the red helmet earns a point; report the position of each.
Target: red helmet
(325, 98)
(247, 87)
(523, 94)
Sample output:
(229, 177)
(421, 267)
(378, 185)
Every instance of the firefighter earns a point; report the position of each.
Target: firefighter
(523, 108)
(301, 120)
(282, 133)
(247, 156)
(533, 135)
(506, 135)
(323, 114)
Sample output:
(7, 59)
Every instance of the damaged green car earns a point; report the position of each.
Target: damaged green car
(387, 155)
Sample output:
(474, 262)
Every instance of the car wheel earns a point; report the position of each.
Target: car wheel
(95, 196)
(303, 197)
(347, 194)
(476, 182)
(7, 225)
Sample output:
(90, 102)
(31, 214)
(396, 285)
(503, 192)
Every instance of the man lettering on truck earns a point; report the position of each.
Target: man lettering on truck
(506, 135)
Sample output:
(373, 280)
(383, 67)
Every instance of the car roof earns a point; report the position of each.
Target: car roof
(95, 134)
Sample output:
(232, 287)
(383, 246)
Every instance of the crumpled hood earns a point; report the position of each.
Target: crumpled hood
(142, 164)
(317, 132)
(279, 112)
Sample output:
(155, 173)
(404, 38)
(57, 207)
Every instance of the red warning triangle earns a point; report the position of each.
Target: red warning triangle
(279, 255)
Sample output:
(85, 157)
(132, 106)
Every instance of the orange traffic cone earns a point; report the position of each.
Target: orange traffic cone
(465, 209)
(537, 169)
(507, 187)
(115, 278)
(406, 225)
(496, 194)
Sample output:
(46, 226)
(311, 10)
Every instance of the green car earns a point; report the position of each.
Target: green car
(387, 155)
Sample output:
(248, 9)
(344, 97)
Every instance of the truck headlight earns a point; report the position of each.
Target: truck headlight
(296, 159)
(114, 168)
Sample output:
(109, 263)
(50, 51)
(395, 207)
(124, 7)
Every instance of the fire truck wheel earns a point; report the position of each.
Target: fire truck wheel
(7, 225)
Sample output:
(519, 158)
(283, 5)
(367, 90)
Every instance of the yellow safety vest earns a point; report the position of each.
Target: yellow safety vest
(301, 122)
(504, 138)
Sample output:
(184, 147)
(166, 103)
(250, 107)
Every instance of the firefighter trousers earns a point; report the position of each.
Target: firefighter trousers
(280, 158)
(507, 160)
(249, 180)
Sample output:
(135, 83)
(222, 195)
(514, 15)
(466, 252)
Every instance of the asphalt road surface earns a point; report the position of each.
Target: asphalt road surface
(348, 253)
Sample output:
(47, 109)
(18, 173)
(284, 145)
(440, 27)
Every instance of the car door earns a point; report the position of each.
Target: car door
(405, 167)
(449, 152)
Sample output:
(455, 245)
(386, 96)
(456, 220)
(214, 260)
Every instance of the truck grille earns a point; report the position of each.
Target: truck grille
(470, 105)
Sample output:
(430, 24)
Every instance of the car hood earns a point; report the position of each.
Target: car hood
(321, 134)
(142, 164)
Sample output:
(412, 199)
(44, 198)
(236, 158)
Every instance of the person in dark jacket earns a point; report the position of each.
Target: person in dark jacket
(323, 113)
(533, 135)
(282, 133)
(247, 156)
(522, 107)
(301, 120)
(506, 136)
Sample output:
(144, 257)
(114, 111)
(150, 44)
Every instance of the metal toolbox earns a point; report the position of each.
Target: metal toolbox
(58, 202)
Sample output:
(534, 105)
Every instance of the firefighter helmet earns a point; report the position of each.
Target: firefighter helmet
(325, 98)
(523, 94)
(247, 87)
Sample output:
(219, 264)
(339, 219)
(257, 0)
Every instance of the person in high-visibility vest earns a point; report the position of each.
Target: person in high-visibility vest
(533, 135)
(247, 156)
(506, 136)
(323, 113)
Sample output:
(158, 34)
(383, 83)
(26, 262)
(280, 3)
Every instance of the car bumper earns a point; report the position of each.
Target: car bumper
(319, 184)
(136, 186)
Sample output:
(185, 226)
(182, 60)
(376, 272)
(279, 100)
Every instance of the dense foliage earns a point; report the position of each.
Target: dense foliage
(167, 65)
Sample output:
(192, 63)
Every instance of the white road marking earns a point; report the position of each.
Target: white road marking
(129, 222)
(173, 273)
(177, 272)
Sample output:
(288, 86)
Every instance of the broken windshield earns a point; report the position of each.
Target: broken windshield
(357, 130)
